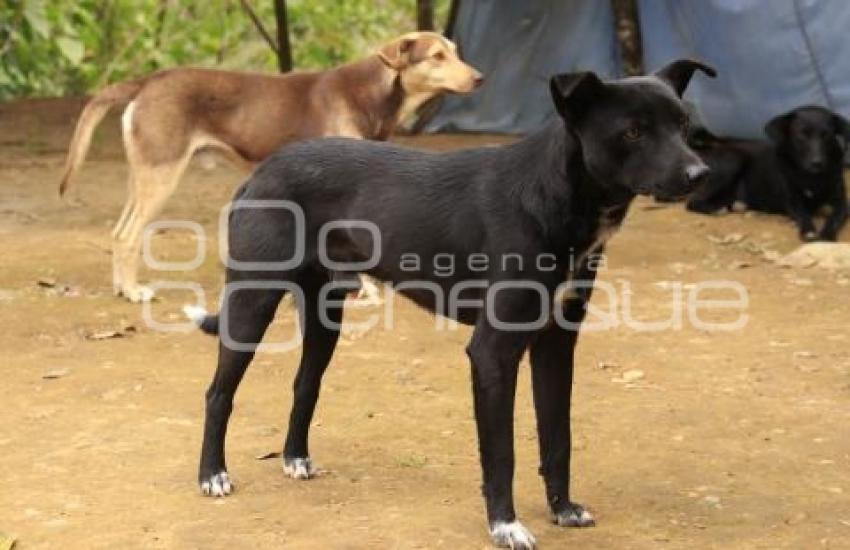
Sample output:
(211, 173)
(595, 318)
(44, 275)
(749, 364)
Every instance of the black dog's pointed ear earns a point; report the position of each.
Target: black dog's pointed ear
(777, 128)
(678, 73)
(572, 92)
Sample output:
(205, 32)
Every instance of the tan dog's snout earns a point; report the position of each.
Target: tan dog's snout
(467, 80)
(477, 78)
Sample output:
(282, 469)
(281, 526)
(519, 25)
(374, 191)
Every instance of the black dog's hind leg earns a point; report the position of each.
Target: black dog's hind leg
(249, 312)
(320, 338)
(551, 356)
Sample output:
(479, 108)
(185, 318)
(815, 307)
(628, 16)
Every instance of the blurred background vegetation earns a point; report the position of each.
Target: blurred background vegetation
(69, 47)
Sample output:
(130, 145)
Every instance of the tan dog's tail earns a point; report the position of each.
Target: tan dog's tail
(92, 114)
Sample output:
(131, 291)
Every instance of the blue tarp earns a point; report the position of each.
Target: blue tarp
(771, 55)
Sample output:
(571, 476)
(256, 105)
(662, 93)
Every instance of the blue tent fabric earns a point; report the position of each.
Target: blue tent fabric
(771, 56)
(518, 44)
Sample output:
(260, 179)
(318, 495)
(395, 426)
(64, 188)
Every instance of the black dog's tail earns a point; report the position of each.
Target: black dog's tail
(206, 322)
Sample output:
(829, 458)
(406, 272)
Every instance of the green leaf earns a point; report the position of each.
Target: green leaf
(71, 48)
(36, 16)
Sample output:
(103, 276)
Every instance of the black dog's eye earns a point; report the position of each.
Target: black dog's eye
(632, 134)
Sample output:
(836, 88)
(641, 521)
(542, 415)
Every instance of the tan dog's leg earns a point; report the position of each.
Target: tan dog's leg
(129, 207)
(369, 291)
(152, 187)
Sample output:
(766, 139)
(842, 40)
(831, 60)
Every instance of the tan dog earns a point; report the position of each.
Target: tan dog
(174, 113)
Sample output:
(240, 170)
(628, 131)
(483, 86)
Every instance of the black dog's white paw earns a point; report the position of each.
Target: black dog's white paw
(512, 535)
(217, 485)
(573, 515)
(299, 468)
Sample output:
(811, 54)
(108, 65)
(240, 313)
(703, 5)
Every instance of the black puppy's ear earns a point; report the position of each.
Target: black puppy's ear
(842, 129)
(678, 73)
(573, 92)
(777, 129)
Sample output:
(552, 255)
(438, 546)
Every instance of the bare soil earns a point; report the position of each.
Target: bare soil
(727, 440)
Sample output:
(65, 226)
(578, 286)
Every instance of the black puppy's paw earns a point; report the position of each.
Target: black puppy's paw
(707, 208)
(808, 235)
(299, 468)
(573, 515)
(216, 485)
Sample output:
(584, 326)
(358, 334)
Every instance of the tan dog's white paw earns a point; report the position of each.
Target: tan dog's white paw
(138, 294)
(369, 292)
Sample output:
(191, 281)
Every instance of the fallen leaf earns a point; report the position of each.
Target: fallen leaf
(827, 255)
(57, 288)
(105, 334)
(126, 329)
(655, 206)
(731, 238)
(771, 255)
(713, 499)
(46, 282)
(629, 376)
(54, 373)
(632, 375)
(7, 542)
(268, 455)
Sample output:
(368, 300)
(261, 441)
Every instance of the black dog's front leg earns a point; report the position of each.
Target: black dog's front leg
(803, 219)
(495, 359)
(837, 218)
(552, 378)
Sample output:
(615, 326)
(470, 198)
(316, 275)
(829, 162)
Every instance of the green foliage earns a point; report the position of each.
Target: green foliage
(66, 47)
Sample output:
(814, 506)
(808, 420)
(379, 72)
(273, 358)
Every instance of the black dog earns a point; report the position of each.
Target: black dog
(798, 172)
(530, 213)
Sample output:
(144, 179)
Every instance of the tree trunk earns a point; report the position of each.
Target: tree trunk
(284, 51)
(452, 20)
(425, 15)
(627, 26)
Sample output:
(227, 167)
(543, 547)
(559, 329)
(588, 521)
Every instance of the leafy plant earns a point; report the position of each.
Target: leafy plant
(67, 47)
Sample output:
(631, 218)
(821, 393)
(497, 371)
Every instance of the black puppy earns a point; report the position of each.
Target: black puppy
(529, 213)
(798, 172)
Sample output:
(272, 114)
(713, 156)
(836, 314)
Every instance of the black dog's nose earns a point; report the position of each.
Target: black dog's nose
(696, 173)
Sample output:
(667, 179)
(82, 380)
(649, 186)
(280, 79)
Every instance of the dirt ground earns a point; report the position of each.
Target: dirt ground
(710, 440)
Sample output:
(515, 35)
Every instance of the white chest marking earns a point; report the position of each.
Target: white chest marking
(127, 119)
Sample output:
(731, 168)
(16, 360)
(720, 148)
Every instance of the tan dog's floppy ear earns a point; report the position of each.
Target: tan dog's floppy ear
(396, 54)
(678, 73)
